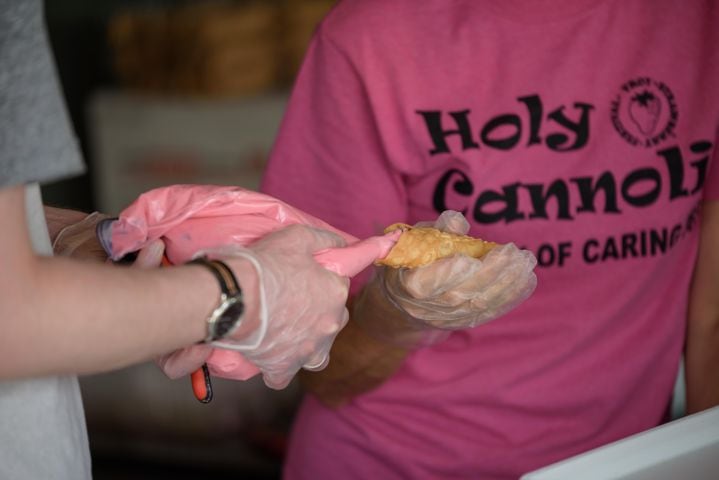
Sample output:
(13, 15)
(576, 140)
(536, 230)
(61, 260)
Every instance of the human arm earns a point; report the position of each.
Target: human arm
(63, 316)
(407, 308)
(54, 323)
(328, 141)
(343, 156)
(702, 342)
(360, 361)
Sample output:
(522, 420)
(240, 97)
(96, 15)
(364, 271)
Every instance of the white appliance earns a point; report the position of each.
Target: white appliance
(685, 449)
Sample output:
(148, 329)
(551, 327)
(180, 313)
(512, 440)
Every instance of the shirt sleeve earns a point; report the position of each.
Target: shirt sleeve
(328, 159)
(36, 140)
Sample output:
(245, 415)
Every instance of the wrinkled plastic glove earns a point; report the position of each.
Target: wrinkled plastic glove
(79, 239)
(305, 302)
(452, 293)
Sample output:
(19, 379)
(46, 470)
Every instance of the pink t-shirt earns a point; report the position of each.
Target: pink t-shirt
(582, 130)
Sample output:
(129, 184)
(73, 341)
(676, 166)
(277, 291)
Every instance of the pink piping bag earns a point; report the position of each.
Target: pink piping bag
(195, 218)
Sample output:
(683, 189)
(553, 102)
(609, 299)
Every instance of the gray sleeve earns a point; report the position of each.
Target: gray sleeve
(36, 140)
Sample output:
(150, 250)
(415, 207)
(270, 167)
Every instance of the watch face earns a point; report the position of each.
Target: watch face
(229, 318)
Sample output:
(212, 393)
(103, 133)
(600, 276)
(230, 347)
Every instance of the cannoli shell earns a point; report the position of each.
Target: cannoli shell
(418, 246)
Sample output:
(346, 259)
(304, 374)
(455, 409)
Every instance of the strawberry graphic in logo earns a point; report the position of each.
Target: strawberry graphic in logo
(644, 110)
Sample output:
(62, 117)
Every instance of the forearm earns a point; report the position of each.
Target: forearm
(62, 316)
(359, 361)
(702, 363)
(702, 344)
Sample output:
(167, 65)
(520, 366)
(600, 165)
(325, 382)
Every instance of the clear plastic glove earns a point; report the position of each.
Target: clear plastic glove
(302, 304)
(452, 293)
(79, 239)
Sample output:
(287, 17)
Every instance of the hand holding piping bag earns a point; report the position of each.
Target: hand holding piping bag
(299, 342)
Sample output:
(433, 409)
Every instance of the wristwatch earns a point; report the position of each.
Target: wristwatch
(229, 313)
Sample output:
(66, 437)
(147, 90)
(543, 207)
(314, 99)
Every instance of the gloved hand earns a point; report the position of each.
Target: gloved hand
(451, 293)
(79, 240)
(304, 305)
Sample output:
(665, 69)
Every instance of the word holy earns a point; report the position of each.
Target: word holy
(505, 131)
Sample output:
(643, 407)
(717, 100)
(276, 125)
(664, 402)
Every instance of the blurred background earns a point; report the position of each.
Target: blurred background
(163, 92)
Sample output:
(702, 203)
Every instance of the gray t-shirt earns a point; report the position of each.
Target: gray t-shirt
(42, 426)
(36, 142)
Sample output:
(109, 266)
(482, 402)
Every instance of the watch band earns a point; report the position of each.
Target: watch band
(228, 314)
(223, 274)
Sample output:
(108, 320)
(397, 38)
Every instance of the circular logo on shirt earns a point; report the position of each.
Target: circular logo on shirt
(644, 112)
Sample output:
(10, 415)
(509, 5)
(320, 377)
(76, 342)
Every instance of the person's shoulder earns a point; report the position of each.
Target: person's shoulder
(368, 12)
(350, 20)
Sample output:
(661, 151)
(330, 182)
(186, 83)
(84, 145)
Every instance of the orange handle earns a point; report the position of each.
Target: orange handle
(201, 384)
